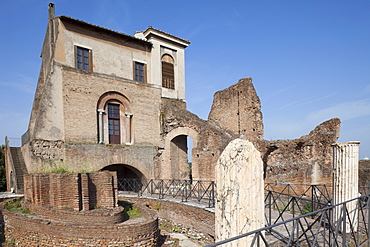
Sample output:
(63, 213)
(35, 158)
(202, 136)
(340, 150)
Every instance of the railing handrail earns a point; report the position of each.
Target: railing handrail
(179, 187)
(328, 208)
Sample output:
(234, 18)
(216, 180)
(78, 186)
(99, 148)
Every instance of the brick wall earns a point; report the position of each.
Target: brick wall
(81, 93)
(32, 230)
(92, 217)
(76, 191)
(189, 216)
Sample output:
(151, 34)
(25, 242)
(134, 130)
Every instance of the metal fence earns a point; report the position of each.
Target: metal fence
(292, 218)
(201, 191)
(334, 225)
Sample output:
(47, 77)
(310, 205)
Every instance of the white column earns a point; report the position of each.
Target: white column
(240, 196)
(345, 181)
(128, 128)
(100, 127)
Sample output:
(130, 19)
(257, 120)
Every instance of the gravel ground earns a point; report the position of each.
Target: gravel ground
(173, 235)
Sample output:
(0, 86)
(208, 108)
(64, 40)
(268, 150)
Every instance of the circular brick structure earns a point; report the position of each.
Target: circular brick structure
(40, 230)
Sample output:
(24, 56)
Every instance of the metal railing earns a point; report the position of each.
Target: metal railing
(201, 191)
(285, 197)
(334, 225)
(307, 219)
(292, 218)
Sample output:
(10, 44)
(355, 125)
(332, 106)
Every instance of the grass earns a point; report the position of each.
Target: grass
(133, 212)
(16, 205)
(60, 170)
(129, 210)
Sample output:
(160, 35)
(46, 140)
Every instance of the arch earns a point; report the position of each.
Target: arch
(129, 178)
(174, 159)
(168, 58)
(114, 119)
(168, 71)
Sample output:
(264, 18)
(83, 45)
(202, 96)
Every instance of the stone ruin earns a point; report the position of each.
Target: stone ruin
(236, 112)
(240, 192)
(77, 209)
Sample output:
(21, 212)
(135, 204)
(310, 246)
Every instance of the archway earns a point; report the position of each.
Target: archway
(179, 158)
(179, 144)
(129, 178)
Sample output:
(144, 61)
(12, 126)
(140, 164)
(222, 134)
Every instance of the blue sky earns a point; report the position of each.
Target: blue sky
(309, 60)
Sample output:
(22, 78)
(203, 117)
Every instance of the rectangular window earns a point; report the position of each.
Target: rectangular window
(83, 58)
(168, 75)
(114, 124)
(139, 72)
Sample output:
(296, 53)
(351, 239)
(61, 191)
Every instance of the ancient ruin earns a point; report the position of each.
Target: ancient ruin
(108, 101)
(240, 194)
(345, 180)
(76, 209)
(130, 116)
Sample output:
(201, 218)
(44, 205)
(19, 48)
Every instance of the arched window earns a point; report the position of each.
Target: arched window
(168, 72)
(114, 119)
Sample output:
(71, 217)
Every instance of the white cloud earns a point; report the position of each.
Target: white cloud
(306, 101)
(345, 111)
(18, 86)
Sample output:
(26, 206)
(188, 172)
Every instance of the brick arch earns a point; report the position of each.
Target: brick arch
(124, 133)
(182, 131)
(126, 176)
(104, 98)
(140, 167)
(167, 170)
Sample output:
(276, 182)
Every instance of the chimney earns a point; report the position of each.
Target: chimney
(51, 10)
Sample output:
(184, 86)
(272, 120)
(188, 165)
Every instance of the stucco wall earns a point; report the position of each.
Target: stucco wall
(111, 55)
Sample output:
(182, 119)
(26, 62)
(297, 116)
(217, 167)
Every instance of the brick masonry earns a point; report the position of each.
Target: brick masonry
(189, 216)
(76, 191)
(34, 230)
(236, 113)
(63, 214)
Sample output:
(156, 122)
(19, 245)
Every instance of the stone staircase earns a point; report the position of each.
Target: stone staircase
(20, 168)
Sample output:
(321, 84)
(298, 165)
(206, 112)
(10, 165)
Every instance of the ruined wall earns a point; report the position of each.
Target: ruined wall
(364, 175)
(208, 143)
(38, 230)
(75, 191)
(236, 112)
(306, 160)
(238, 109)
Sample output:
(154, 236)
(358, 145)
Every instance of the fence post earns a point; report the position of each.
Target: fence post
(185, 192)
(344, 230)
(161, 190)
(313, 187)
(270, 209)
(212, 200)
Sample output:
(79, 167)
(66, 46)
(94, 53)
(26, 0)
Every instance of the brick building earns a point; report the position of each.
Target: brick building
(110, 101)
(99, 95)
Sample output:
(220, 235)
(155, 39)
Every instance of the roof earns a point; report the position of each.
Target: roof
(103, 29)
(150, 30)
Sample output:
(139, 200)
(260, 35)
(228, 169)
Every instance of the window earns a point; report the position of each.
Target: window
(114, 119)
(83, 58)
(168, 74)
(114, 124)
(139, 72)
